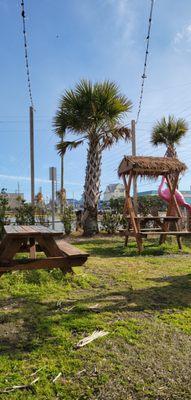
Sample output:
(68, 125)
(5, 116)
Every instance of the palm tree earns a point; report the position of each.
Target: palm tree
(169, 132)
(94, 112)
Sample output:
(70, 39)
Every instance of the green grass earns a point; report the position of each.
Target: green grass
(142, 301)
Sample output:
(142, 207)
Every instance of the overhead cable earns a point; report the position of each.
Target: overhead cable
(26, 53)
(145, 61)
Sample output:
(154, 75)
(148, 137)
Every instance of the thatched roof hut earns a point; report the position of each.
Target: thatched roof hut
(151, 167)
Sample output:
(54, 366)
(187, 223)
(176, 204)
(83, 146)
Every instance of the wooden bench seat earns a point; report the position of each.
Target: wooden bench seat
(172, 233)
(70, 250)
(144, 232)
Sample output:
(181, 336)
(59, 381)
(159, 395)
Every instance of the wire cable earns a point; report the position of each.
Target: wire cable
(26, 53)
(145, 61)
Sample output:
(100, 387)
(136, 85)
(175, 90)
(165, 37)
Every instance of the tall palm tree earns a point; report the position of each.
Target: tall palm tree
(94, 112)
(169, 132)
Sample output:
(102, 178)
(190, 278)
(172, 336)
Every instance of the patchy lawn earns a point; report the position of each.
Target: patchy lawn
(144, 302)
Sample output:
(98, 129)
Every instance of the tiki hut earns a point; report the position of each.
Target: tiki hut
(152, 167)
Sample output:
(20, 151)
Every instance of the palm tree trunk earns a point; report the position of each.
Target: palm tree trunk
(91, 189)
(171, 151)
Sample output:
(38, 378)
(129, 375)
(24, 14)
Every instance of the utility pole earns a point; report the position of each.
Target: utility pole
(52, 177)
(32, 153)
(18, 188)
(133, 139)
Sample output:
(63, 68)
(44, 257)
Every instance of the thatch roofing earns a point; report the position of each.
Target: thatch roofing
(150, 166)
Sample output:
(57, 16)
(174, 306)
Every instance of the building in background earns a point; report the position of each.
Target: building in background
(14, 200)
(114, 191)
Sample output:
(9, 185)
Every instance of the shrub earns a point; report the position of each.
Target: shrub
(150, 205)
(67, 218)
(25, 214)
(4, 208)
(111, 221)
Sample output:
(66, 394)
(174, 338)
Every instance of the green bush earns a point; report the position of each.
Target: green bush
(150, 205)
(67, 218)
(4, 208)
(111, 221)
(25, 214)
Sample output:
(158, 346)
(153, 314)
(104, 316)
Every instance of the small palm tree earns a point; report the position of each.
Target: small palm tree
(94, 112)
(169, 132)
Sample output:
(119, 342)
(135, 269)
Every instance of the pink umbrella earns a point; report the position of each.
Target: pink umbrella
(165, 195)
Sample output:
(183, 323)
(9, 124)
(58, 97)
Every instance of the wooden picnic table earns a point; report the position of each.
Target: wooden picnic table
(58, 252)
(156, 218)
(162, 228)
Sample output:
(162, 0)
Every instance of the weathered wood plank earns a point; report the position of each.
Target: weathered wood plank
(49, 263)
(156, 218)
(31, 230)
(49, 246)
(69, 249)
(175, 233)
(11, 247)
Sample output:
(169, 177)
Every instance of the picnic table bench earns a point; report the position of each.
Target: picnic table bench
(58, 252)
(162, 228)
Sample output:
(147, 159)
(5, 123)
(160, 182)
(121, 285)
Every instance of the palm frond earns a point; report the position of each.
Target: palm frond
(88, 106)
(169, 132)
(62, 147)
(114, 135)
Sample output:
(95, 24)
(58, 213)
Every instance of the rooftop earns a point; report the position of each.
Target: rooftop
(151, 167)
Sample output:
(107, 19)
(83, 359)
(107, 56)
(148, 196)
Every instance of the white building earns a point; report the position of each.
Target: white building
(114, 191)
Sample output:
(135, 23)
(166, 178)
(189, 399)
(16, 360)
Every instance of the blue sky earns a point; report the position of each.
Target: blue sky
(94, 39)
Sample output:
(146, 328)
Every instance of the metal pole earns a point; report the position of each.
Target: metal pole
(32, 153)
(53, 205)
(52, 177)
(62, 181)
(134, 154)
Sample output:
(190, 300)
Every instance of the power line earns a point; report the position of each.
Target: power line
(145, 62)
(26, 53)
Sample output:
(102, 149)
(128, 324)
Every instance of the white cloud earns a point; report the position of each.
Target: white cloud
(182, 39)
(22, 178)
(37, 180)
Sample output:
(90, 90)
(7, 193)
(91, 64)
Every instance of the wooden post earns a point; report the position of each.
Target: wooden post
(172, 204)
(133, 141)
(132, 214)
(32, 153)
(173, 201)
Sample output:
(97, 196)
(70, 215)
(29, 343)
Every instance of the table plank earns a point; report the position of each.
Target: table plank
(64, 263)
(30, 230)
(170, 217)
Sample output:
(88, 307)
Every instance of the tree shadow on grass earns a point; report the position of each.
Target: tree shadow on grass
(111, 248)
(27, 324)
(176, 294)
(24, 324)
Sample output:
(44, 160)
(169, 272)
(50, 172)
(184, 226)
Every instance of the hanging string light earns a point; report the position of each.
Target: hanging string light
(145, 61)
(26, 53)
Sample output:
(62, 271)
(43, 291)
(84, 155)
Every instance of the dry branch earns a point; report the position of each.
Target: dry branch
(89, 339)
(57, 377)
(19, 387)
